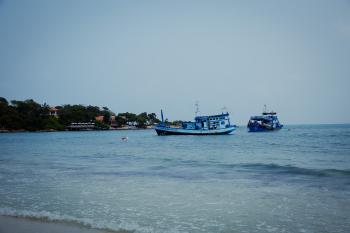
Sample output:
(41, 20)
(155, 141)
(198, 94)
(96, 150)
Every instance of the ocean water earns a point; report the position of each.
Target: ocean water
(294, 180)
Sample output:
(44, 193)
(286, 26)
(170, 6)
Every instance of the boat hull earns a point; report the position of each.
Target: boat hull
(262, 129)
(163, 131)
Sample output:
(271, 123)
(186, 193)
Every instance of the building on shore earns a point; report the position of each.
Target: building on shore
(99, 118)
(113, 122)
(53, 111)
(81, 126)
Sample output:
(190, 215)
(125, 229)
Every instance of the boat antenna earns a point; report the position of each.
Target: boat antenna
(223, 109)
(197, 108)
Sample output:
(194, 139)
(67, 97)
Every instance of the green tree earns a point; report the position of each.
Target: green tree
(142, 120)
(120, 120)
(128, 116)
(152, 117)
(9, 117)
(30, 113)
(3, 101)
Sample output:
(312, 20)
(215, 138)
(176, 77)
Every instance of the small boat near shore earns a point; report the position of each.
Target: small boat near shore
(203, 125)
(268, 121)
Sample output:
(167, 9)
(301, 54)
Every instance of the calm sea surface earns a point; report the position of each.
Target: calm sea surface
(294, 180)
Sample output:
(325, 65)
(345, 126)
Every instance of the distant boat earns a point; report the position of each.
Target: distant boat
(203, 125)
(268, 121)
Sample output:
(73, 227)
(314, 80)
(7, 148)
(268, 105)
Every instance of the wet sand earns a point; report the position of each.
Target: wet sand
(24, 225)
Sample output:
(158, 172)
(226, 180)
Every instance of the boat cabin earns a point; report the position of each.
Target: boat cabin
(221, 121)
(268, 121)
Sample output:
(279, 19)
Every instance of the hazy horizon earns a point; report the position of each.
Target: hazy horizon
(136, 56)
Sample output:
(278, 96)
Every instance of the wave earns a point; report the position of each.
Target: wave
(194, 171)
(46, 216)
(292, 170)
(264, 168)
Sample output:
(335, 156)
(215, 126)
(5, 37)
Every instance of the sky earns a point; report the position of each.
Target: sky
(136, 56)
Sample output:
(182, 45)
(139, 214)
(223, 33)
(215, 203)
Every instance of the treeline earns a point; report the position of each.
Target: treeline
(141, 120)
(32, 116)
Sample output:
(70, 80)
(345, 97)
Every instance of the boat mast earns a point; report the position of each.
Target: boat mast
(224, 109)
(161, 113)
(197, 108)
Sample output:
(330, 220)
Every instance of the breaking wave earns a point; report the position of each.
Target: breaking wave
(46, 216)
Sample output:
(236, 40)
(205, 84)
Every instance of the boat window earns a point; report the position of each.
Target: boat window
(222, 122)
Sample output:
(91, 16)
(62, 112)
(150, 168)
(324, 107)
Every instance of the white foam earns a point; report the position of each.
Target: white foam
(54, 216)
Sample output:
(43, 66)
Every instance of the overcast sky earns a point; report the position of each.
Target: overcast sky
(140, 56)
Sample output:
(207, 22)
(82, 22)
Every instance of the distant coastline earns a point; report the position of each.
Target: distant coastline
(54, 130)
(30, 116)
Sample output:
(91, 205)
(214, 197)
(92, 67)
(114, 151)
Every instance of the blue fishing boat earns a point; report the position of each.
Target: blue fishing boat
(202, 125)
(268, 121)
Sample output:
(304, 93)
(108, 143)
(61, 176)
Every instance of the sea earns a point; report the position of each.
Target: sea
(293, 180)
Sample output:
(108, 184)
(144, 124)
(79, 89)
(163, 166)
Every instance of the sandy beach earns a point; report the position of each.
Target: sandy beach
(23, 225)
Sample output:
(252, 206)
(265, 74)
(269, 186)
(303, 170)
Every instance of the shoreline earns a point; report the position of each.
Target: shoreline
(149, 128)
(12, 224)
(53, 130)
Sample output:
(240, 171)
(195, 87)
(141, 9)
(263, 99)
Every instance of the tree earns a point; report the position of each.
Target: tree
(142, 120)
(30, 113)
(106, 116)
(9, 117)
(3, 106)
(176, 123)
(120, 120)
(3, 101)
(129, 117)
(152, 117)
(73, 113)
